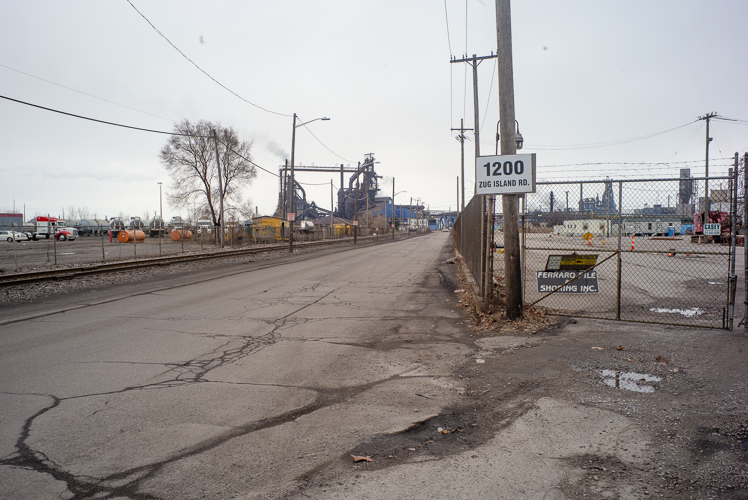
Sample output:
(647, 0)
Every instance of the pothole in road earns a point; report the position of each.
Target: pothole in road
(631, 381)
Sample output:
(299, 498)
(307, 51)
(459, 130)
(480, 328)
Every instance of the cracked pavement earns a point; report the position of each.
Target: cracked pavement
(260, 381)
(233, 387)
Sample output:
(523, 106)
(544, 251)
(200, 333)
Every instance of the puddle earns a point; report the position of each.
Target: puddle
(689, 313)
(630, 381)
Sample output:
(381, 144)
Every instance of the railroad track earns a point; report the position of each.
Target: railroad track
(14, 279)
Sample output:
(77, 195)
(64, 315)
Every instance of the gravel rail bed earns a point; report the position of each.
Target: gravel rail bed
(31, 292)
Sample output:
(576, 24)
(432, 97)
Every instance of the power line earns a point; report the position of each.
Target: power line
(325, 145)
(133, 128)
(464, 83)
(604, 144)
(87, 94)
(446, 16)
(490, 91)
(94, 119)
(201, 69)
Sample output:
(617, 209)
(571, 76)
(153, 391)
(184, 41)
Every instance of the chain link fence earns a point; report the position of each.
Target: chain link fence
(101, 243)
(631, 250)
(467, 233)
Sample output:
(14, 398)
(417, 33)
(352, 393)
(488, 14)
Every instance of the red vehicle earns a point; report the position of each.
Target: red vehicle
(44, 226)
(722, 218)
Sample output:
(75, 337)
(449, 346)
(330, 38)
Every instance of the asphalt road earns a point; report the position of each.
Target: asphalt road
(260, 380)
(229, 387)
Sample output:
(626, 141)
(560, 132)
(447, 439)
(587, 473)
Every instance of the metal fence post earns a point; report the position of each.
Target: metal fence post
(15, 255)
(103, 251)
(620, 234)
(744, 321)
(733, 223)
(54, 236)
(482, 265)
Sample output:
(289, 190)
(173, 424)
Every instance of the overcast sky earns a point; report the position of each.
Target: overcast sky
(585, 72)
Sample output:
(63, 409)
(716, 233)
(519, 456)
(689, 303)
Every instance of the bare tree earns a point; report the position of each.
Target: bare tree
(190, 159)
(83, 213)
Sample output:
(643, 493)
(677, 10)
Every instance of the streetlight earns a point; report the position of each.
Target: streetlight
(517, 137)
(393, 209)
(292, 213)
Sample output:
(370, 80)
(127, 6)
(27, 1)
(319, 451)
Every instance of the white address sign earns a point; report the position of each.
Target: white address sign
(506, 174)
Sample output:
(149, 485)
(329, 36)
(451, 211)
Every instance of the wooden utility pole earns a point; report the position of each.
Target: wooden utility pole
(458, 196)
(486, 278)
(462, 138)
(393, 208)
(332, 213)
(512, 265)
(707, 117)
(744, 321)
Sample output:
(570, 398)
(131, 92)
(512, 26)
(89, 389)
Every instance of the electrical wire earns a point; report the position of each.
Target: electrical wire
(490, 91)
(135, 128)
(607, 143)
(325, 145)
(446, 17)
(94, 119)
(201, 69)
(464, 83)
(86, 93)
(451, 75)
(687, 141)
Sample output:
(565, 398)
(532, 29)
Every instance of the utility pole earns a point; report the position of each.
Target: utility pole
(220, 189)
(291, 188)
(707, 117)
(512, 265)
(744, 321)
(284, 190)
(488, 201)
(458, 196)
(393, 208)
(332, 213)
(462, 138)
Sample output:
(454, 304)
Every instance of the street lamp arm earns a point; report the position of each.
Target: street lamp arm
(310, 121)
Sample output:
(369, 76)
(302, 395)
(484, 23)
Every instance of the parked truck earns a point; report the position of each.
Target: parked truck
(43, 227)
(721, 218)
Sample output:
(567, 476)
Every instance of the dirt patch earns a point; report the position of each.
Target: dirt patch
(491, 319)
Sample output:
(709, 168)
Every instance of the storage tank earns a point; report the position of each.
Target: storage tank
(176, 235)
(130, 235)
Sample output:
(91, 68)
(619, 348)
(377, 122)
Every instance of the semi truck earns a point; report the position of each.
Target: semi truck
(43, 227)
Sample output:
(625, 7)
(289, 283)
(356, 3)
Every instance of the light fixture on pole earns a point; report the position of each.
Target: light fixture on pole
(518, 139)
(292, 185)
(393, 207)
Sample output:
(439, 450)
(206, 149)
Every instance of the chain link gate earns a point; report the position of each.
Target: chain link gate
(647, 258)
